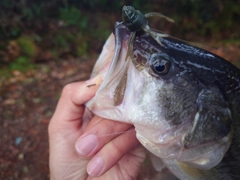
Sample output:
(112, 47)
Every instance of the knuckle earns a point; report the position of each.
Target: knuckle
(119, 147)
(67, 89)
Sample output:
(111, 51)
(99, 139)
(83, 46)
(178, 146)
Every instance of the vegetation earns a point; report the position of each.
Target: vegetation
(43, 30)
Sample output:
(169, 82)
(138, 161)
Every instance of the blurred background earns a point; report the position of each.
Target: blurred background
(46, 44)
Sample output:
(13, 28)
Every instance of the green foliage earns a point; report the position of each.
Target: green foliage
(81, 27)
(27, 46)
(15, 32)
(202, 16)
(72, 16)
(207, 18)
(102, 32)
(60, 42)
(28, 13)
(6, 3)
(21, 64)
(103, 5)
(82, 49)
(73, 42)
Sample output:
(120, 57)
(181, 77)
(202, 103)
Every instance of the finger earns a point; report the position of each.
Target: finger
(70, 107)
(112, 153)
(98, 133)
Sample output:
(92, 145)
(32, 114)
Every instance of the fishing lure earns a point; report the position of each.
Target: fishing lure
(136, 21)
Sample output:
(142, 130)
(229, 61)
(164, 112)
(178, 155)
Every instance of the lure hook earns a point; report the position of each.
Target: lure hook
(136, 21)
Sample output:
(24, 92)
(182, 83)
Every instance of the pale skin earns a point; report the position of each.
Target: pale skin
(84, 149)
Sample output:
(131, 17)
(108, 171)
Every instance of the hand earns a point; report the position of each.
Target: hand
(82, 149)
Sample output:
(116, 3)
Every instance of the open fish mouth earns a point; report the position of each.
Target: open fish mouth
(124, 73)
(113, 87)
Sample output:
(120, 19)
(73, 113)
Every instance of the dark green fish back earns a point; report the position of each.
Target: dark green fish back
(225, 76)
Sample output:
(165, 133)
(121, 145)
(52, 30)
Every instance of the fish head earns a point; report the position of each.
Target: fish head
(169, 93)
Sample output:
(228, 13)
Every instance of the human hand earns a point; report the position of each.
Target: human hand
(82, 149)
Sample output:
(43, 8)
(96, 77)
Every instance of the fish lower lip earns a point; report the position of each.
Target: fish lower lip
(120, 31)
(122, 34)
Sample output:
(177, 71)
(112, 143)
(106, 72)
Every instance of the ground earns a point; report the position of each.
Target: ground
(27, 102)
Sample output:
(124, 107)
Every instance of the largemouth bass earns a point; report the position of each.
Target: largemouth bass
(183, 101)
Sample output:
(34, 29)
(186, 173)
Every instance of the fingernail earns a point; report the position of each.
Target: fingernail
(95, 166)
(86, 144)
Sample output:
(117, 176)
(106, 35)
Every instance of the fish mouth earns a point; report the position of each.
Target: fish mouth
(113, 87)
(127, 79)
(119, 60)
(124, 75)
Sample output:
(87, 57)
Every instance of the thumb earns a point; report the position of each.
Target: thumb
(70, 107)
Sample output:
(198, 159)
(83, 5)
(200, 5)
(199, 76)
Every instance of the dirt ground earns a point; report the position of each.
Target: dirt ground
(27, 102)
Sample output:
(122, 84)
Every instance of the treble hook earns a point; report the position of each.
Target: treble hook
(136, 21)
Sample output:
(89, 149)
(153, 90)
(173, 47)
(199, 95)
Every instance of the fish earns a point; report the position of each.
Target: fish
(183, 101)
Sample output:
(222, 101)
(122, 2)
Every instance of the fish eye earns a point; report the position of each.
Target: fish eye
(160, 64)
